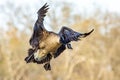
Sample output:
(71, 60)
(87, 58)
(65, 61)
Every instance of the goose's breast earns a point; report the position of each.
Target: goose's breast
(51, 43)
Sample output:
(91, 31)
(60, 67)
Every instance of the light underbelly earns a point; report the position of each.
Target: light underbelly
(49, 45)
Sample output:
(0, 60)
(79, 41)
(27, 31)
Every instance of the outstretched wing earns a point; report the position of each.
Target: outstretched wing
(42, 13)
(39, 28)
(67, 35)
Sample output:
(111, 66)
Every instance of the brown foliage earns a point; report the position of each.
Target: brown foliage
(96, 57)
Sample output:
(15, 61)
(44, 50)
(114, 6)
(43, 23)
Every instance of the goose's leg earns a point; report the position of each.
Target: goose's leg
(47, 66)
(69, 46)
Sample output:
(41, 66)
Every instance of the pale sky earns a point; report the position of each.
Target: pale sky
(110, 5)
(79, 5)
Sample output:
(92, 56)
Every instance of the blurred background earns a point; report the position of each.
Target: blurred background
(96, 57)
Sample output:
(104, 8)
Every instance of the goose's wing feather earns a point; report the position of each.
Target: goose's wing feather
(67, 35)
(39, 29)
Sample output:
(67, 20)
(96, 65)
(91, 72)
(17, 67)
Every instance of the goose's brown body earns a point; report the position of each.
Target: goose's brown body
(48, 44)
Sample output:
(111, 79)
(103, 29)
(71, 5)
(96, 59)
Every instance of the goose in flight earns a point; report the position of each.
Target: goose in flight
(47, 44)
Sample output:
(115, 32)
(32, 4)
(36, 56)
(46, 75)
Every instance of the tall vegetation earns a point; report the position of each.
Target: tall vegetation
(95, 57)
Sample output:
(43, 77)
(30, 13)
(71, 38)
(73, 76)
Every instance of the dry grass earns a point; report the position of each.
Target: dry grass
(96, 57)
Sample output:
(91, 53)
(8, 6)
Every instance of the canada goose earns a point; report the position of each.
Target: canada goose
(46, 44)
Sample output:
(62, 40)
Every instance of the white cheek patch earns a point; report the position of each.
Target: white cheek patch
(36, 54)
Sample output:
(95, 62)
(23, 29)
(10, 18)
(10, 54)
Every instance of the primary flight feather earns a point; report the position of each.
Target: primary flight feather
(46, 44)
